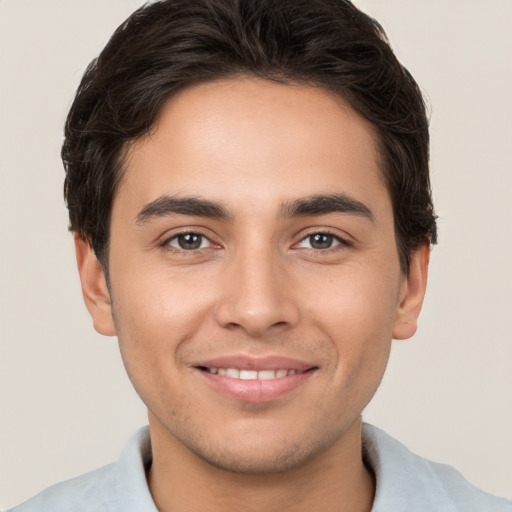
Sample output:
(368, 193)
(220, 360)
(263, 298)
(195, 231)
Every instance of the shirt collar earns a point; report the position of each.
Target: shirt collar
(404, 481)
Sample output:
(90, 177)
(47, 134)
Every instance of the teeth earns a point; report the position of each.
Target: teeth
(248, 374)
(234, 373)
(266, 374)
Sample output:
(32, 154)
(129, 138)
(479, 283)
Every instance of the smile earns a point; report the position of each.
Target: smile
(246, 379)
(235, 373)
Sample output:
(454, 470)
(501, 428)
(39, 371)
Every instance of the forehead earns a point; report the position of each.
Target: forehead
(249, 140)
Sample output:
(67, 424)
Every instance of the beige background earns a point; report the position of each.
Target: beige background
(65, 403)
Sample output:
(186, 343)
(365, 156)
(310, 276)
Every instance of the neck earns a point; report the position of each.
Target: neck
(335, 480)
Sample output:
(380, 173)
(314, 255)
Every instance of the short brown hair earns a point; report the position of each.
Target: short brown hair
(169, 45)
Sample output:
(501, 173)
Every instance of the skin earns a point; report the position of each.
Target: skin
(258, 286)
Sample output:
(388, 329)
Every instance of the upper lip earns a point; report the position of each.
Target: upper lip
(245, 362)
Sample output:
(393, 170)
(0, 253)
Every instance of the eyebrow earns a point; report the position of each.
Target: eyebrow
(315, 205)
(165, 206)
(324, 204)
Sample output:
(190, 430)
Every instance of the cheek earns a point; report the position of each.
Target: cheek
(355, 303)
(357, 310)
(156, 314)
(153, 322)
(158, 304)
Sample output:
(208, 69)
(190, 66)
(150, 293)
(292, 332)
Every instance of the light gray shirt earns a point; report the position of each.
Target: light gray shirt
(405, 483)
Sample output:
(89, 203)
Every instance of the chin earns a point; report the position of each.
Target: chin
(261, 451)
(256, 460)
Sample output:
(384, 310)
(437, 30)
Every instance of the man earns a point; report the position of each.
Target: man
(248, 187)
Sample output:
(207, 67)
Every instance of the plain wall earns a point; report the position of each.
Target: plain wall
(66, 405)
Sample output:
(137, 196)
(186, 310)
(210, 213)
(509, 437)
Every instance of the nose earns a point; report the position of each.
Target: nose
(259, 296)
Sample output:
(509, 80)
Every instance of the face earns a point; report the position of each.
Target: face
(255, 280)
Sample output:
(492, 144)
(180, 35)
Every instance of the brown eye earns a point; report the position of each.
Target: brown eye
(188, 241)
(321, 241)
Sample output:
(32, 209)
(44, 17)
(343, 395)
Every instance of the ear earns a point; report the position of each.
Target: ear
(94, 288)
(412, 293)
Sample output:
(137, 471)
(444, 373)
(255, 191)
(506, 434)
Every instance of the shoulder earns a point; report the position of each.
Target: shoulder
(83, 493)
(118, 486)
(406, 481)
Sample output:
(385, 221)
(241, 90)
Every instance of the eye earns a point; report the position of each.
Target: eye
(189, 241)
(320, 241)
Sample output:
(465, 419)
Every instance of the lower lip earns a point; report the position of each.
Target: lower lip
(255, 390)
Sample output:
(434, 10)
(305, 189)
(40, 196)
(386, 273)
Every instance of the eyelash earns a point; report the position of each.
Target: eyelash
(167, 242)
(339, 241)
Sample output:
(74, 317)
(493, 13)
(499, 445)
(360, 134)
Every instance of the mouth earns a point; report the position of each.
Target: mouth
(255, 380)
(237, 373)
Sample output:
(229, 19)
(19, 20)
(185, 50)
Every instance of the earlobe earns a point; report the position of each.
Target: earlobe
(94, 288)
(412, 294)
